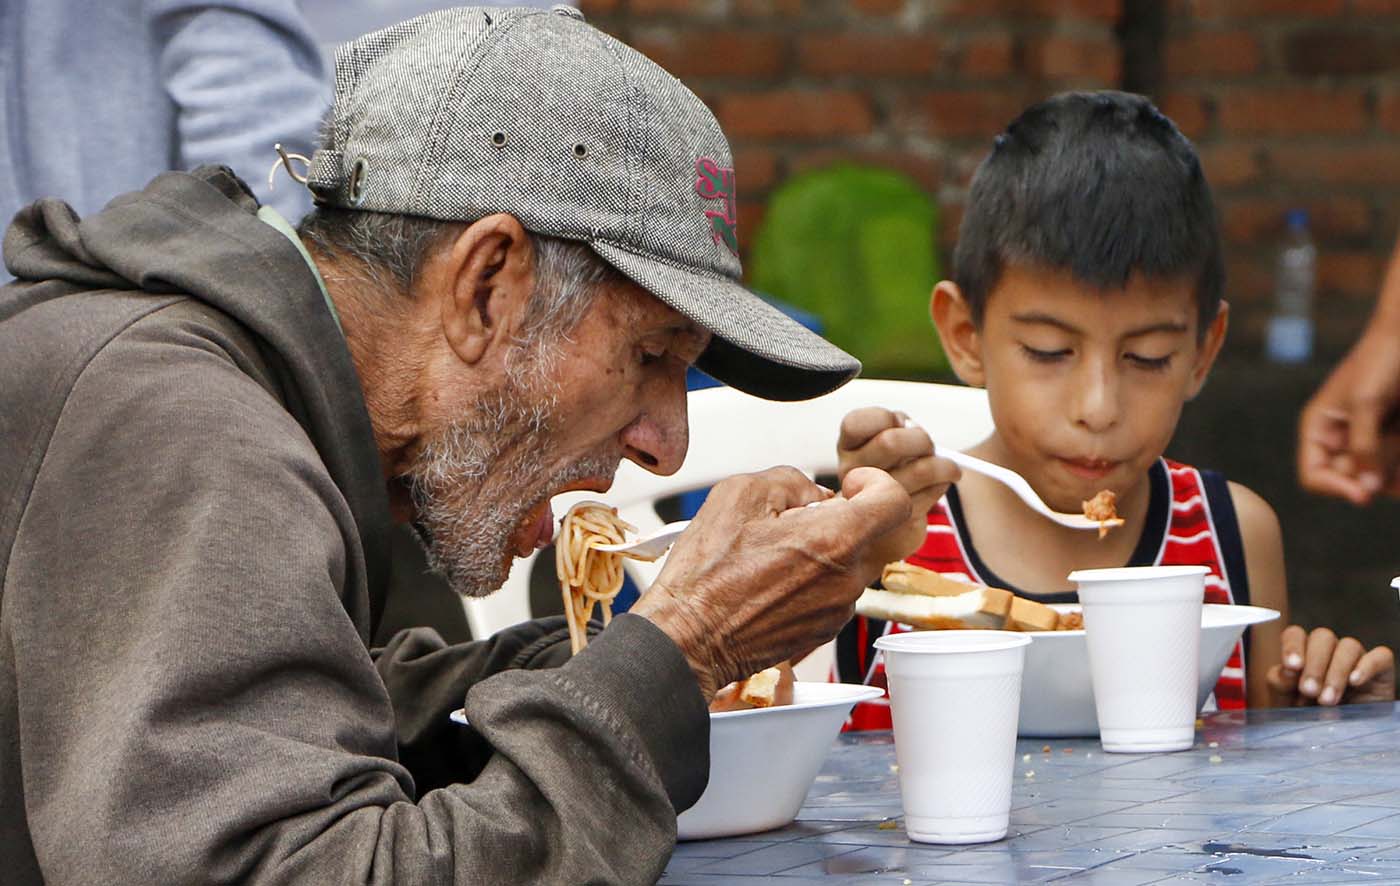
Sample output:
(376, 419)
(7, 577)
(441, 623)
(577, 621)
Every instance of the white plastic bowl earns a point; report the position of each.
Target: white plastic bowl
(1057, 695)
(763, 761)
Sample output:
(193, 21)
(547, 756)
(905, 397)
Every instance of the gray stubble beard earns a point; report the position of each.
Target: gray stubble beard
(475, 480)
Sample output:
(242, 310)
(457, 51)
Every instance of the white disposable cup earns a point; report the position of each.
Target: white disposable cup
(955, 697)
(1142, 625)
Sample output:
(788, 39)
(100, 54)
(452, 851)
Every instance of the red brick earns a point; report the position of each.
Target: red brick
(1341, 52)
(1348, 273)
(953, 113)
(1248, 278)
(1376, 7)
(926, 171)
(756, 169)
(1368, 164)
(950, 215)
(1101, 10)
(990, 55)
(1293, 110)
(1388, 111)
(1249, 8)
(1261, 220)
(1230, 165)
(878, 7)
(1213, 53)
(1060, 57)
(592, 8)
(796, 114)
(751, 214)
(767, 8)
(706, 8)
(705, 53)
(1187, 111)
(869, 54)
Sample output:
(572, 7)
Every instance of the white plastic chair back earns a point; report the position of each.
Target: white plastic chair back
(734, 433)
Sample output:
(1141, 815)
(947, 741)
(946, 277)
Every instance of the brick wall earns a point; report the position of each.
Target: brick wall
(916, 86)
(1292, 102)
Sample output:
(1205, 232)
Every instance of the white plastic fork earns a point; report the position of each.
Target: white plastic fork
(1018, 485)
(648, 547)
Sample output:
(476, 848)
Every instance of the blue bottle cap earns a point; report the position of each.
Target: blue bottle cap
(1297, 219)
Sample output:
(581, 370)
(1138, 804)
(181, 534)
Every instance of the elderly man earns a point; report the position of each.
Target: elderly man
(524, 236)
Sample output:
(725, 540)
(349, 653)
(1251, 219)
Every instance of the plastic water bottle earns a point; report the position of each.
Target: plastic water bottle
(1290, 334)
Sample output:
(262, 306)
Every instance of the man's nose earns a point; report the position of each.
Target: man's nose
(1096, 406)
(658, 438)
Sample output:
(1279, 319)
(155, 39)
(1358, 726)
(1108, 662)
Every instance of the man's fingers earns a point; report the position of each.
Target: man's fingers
(1321, 643)
(860, 425)
(783, 488)
(1345, 656)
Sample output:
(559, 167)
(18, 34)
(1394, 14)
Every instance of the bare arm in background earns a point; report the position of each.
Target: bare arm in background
(1348, 441)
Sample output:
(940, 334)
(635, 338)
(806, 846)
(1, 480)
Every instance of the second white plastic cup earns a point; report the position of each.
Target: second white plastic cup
(1142, 625)
(955, 697)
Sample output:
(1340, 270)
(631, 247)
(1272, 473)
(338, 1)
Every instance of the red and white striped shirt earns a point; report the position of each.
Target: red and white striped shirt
(1191, 522)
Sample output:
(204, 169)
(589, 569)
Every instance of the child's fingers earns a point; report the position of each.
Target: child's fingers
(1293, 644)
(1283, 683)
(925, 474)
(1345, 656)
(861, 425)
(1374, 676)
(893, 447)
(1321, 643)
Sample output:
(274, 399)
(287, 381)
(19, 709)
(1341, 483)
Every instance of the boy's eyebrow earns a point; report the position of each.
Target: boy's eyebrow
(1038, 317)
(1044, 319)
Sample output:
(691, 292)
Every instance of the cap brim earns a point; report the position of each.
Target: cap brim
(756, 347)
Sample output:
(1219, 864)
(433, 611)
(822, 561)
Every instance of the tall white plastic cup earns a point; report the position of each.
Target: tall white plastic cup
(955, 697)
(1142, 625)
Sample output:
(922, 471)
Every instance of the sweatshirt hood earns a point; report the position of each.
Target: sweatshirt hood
(197, 235)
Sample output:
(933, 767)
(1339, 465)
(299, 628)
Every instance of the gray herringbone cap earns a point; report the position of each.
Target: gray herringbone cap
(462, 113)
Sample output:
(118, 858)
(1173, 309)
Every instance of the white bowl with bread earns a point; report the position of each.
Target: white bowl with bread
(1057, 695)
(763, 760)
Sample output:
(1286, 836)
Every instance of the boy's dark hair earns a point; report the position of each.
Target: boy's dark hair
(1099, 184)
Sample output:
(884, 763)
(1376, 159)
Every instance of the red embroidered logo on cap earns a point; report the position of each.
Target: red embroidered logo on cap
(714, 182)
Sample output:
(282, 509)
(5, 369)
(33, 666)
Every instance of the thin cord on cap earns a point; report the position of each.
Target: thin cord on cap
(284, 160)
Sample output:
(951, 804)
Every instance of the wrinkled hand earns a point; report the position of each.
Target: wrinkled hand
(879, 438)
(1318, 668)
(1348, 443)
(758, 577)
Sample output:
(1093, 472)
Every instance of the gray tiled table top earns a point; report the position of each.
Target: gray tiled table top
(1297, 796)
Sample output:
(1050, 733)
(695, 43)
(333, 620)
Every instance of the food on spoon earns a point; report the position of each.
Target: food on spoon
(1103, 510)
(924, 599)
(768, 688)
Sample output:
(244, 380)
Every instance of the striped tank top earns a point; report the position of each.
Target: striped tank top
(1190, 522)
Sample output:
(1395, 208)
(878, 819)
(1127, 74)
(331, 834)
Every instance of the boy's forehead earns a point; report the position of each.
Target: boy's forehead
(1030, 293)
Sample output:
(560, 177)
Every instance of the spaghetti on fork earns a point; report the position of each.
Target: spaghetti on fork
(589, 577)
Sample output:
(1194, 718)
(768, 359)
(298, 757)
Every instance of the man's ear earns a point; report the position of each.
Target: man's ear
(1209, 349)
(952, 316)
(482, 281)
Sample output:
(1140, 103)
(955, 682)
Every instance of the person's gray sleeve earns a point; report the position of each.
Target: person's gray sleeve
(197, 706)
(244, 75)
(427, 679)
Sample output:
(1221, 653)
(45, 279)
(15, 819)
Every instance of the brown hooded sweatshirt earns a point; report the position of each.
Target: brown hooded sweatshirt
(193, 556)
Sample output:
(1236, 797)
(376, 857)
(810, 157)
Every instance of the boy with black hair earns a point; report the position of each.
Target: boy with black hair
(1086, 299)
